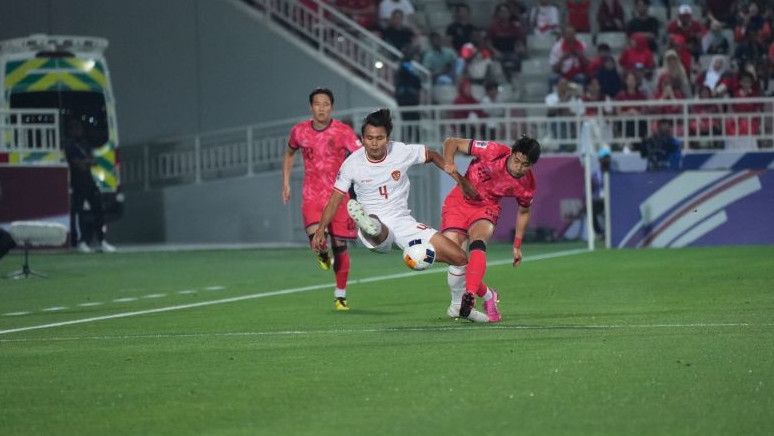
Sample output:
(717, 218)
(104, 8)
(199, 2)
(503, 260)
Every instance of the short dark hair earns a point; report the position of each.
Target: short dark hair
(324, 91)
(529, 146)
(380, 118)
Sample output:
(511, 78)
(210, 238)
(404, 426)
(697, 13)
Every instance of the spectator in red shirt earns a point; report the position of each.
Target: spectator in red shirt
(669, 93)
(610, 16)
(690, 29)
(363, 12)
(637, 54)
(568, 57)
(630, 92)
(678, 45)
(747, 124)
(578, 15)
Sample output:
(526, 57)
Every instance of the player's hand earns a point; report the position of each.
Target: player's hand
(450, 168)
(516, 257)
(285, 194)
(319, 242)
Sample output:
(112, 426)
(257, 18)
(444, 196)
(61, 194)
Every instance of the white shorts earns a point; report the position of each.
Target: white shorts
(402, 230)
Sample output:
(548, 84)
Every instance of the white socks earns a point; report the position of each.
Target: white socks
(340, 293)
(455, 278)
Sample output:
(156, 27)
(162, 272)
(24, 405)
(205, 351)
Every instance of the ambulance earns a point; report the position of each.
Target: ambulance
(68, 75)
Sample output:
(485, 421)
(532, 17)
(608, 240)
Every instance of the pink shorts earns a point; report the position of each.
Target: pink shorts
(341, 227)
(458, 215)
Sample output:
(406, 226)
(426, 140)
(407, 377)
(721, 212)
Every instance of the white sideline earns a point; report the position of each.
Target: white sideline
(268, 294)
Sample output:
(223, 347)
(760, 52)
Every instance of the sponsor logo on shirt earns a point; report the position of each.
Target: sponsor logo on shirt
(396, 175)
(479, 144)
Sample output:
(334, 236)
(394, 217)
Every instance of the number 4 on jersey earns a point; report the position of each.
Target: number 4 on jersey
(383, 191)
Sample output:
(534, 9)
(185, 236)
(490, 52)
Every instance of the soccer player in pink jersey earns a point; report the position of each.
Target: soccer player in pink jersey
(324, 143)
(496, 171)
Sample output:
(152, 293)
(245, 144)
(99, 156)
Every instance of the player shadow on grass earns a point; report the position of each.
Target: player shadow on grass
(371, 312)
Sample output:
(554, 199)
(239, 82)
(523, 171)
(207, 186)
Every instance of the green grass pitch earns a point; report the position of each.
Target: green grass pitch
(246, 342)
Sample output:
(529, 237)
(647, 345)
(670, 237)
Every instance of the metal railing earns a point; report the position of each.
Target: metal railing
(246, 150)
(29, 130)
(337, 36)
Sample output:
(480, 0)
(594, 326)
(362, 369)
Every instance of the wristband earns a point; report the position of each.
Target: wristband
(517, 243)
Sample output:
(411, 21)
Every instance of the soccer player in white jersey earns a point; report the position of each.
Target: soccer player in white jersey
(379, 174)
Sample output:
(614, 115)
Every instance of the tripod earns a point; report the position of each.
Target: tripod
(26, 271)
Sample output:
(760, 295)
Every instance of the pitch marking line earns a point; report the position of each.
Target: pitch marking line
(467, 327)
(263, 295)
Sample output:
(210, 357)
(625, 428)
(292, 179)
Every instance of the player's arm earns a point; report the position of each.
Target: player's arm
(318, 240)
(452, 146)
(522, 219)
(467, 188)
(287, 168)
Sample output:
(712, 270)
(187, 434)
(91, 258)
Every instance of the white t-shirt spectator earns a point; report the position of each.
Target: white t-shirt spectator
(545, 19)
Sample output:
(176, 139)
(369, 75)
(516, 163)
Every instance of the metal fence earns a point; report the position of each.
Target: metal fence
(245, 150)
(338, 37)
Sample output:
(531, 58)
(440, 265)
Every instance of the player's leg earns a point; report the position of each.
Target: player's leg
(311, 211)
(370, 226)
(341, 229)
(455, 275)
(341, 271)
(479, 233)
(450, 251)
(77, 198)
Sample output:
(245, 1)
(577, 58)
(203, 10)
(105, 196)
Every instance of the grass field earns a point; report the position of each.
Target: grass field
(247, 342)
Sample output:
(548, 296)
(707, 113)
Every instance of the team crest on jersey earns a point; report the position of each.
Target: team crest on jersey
(396, 175)
(479, 144)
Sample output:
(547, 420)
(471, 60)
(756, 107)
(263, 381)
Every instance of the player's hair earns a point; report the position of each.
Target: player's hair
(324, 91)
(529, 146)
(380, 118)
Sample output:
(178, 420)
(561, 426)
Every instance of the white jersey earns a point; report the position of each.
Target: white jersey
(382, 187)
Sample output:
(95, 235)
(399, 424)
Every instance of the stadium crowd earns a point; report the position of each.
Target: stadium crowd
(592, 50)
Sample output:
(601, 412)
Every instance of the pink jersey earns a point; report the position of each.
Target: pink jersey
(489, 175)
(324, 151)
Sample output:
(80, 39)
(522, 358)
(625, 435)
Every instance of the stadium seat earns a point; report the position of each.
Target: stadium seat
(536, 91)
(535, 66)
(444, 94)
(616, 40)
(660, 13)
(439, 20)
(585, 38)
(540, 43)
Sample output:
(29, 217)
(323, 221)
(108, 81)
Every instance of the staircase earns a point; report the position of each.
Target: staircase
(335, 39)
